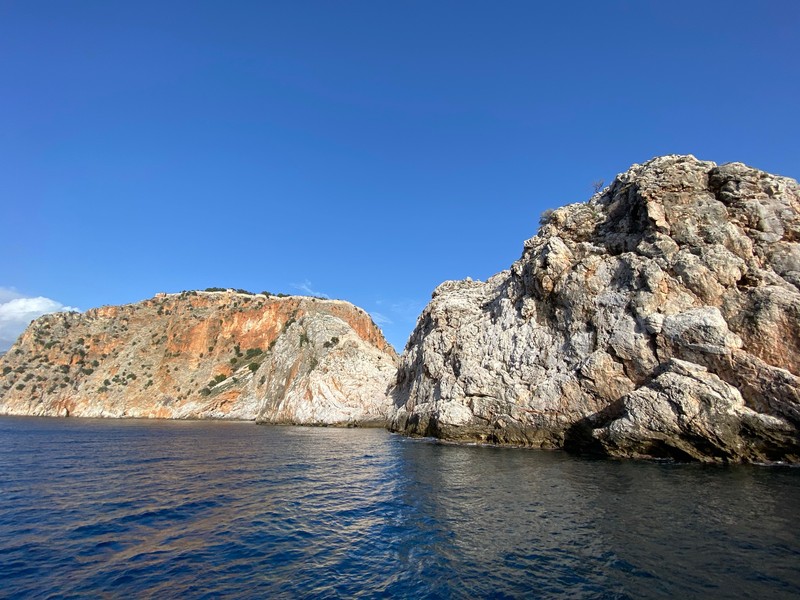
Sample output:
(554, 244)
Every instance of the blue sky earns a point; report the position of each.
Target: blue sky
(362, 150)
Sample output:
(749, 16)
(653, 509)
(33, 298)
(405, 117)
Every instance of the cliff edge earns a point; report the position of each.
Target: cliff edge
(659, 319)
(204, 355)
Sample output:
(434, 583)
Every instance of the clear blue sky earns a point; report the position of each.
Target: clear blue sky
(364, 150)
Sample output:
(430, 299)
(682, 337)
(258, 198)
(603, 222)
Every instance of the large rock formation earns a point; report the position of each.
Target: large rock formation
(204, 355)
(659, 319)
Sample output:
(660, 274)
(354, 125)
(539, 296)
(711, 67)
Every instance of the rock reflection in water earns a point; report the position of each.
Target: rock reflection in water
(195, 509)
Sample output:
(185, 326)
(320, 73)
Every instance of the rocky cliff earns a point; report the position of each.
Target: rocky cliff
(204, 355)
(659, 319)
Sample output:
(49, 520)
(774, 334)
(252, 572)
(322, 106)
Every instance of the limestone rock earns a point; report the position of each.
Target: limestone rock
(661, 318)
(204, 355)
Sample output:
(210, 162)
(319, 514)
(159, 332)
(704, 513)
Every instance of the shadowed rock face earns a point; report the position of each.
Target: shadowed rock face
(204, 355)
(659, 319)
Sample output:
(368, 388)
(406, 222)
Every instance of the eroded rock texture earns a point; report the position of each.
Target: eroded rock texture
(204, 355)
(659, 319)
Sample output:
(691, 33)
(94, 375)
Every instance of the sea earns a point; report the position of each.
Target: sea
(201, 509)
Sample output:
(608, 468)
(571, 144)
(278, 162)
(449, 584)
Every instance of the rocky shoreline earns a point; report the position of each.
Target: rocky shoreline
(660, 319)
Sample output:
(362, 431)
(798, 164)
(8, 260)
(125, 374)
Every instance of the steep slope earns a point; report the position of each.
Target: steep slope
(204, 355)
(659, 319)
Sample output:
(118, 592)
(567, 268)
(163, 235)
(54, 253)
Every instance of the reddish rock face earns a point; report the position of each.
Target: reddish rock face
(202, 355)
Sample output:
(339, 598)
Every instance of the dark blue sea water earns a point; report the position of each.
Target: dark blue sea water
(143, 509)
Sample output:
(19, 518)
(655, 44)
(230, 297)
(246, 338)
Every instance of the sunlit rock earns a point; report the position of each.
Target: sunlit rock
(661, 318)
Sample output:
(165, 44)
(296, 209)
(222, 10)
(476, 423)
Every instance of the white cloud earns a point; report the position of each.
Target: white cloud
(7, 294)
(306, 288)
(17, 311)
(380, 319)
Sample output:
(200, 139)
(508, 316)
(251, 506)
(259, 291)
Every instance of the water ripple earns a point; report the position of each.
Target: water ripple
(201, 510)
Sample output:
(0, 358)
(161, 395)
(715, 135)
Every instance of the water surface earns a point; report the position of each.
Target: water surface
(165, 509)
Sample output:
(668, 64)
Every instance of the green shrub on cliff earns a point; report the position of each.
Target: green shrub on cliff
(217, 379)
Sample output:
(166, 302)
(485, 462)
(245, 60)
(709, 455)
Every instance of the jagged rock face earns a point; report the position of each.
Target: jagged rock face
(204, 355)
(660, 319)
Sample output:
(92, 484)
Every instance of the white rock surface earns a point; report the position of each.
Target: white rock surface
(661, 318)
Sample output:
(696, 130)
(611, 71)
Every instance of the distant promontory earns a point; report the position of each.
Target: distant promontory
(210, 354)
